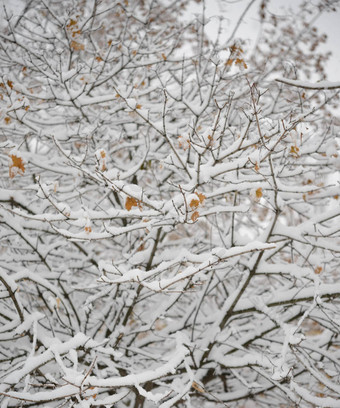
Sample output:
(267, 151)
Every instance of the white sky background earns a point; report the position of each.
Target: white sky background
(328, 23)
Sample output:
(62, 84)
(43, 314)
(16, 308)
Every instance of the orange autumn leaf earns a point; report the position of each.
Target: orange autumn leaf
(241, 62)
(318, 270)
(76, 33)
(194, 203)
(71, 23)
(259, 192)
(194, 216)
(130, 202)
(235, 49)
(141, 247)
(88, 229)
(17, 166)
(197, 387)
(201, 197)
(294, 151)
(77, 46)
(7, 120)
(183, 142)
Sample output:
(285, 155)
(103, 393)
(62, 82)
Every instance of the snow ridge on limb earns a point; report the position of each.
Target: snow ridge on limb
(309, 85)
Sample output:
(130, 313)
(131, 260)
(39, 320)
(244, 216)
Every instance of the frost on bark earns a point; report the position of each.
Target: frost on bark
(169, 211)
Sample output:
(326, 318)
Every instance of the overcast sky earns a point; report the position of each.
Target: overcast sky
(328, 23)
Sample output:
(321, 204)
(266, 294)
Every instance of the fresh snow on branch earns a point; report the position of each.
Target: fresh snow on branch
(170, 222)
